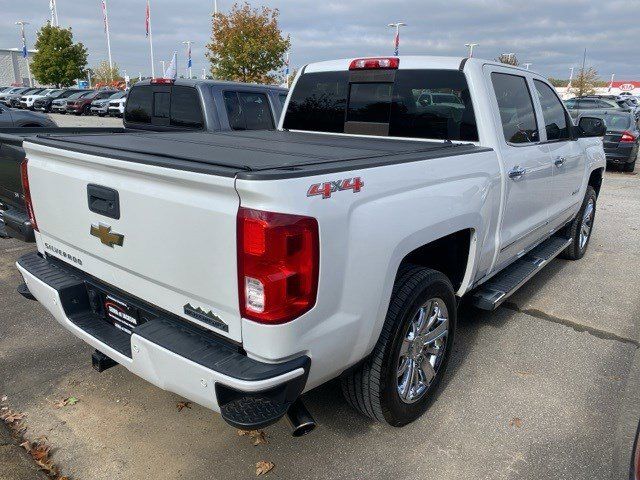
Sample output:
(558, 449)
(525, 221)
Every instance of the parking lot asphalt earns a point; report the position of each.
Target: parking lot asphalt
(533, 392)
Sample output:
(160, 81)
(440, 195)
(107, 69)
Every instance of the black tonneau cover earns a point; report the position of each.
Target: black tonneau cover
(255, 155)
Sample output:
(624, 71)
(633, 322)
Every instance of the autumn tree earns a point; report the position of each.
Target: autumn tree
(58, 61)
(509, 59)
(103, 73)
(247, 45)
(585, 82)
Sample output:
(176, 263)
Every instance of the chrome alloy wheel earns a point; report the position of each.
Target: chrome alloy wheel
(422, 350)
(587, 223)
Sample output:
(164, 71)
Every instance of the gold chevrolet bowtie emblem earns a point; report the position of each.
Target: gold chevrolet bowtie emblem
(106, 236)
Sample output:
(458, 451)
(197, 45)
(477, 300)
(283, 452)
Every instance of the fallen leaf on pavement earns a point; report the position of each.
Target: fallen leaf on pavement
(263, 467)
(183, 405)
(516, 422)
(523, 373)
(10, 416)
(67, 401)
(259, 437)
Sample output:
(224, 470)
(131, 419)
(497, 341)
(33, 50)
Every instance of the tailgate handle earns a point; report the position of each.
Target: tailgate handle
(104, 201)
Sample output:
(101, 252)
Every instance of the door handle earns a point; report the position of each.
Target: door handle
(560, 161)
(517, 173)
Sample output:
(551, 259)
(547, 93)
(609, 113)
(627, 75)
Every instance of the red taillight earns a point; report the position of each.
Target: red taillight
(389, 63)
(24, 174)
(162, 81)
(627, 137)
(278, 262)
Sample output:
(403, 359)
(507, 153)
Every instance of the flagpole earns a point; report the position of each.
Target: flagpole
(22, 23)
(188, 43)
(55, 9)
(153, 68)
(106, 24)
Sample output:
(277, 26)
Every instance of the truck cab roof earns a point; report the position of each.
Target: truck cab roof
(202, 82)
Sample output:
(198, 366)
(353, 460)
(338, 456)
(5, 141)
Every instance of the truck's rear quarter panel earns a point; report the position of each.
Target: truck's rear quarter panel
(363, 238)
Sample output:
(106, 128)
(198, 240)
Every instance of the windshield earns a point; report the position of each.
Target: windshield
(55, 93)
(77, 95)
(433, 104)
(617, 122)
(117, 95)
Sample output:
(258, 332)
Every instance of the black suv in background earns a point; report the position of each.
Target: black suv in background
(206, 105)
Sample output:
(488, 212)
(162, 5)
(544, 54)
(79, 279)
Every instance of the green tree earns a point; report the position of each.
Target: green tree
(509, 59)
(58, 61)
(247, 45)
(103, 73)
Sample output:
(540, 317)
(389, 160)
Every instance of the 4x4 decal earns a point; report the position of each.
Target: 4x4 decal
(327, 188)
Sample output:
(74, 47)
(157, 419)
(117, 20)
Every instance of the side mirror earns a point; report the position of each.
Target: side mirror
(591, 127)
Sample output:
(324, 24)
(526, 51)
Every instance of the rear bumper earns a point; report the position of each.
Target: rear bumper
(18, 225)
(169, 352)
(621, 154)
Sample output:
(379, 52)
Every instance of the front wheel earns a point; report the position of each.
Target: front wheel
(397, 382)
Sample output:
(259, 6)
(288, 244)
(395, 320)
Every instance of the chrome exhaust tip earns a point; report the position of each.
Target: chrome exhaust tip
(300, 419)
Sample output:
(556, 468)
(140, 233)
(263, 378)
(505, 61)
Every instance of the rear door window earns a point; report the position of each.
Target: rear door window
(553, 113)
(248, 111)
(515, 105)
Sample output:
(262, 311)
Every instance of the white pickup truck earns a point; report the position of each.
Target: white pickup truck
(241, 269)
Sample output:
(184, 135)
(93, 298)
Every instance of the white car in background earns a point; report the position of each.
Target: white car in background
(101, 107)
(27, 100)
(116, 107)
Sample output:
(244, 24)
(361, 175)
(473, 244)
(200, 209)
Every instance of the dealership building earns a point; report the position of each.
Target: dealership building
(14, 68)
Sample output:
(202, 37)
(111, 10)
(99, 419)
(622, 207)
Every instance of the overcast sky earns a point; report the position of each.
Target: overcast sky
(550, 34)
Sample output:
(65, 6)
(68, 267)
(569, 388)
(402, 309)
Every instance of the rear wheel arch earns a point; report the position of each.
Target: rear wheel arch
(450, 254)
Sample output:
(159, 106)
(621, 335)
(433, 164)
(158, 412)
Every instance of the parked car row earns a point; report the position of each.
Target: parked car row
(70, 100)
(621, 115)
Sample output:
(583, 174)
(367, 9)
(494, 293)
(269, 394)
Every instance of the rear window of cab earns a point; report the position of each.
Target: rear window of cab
(433, 104)
(179, 106)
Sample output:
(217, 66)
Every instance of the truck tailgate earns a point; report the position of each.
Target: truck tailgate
(178, 228)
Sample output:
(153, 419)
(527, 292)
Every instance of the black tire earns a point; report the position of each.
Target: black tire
(576, 251)
(372, 387)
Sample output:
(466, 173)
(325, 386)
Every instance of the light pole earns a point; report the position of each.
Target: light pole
(105, 15)
(188, 43)
(570, 77)
(163, 67)
(396, 40)
(22, 23)
(470, 47)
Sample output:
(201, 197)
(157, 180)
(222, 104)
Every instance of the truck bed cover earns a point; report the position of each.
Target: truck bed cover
(255, 155)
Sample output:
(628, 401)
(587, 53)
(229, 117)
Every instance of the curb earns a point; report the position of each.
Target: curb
(15, 462)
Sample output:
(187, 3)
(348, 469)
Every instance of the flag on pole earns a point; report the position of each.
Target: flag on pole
(147, 18)
(52, 6)
(24, 44)
(172, 70)
(104, 16)
(189, 62)
(286, 65)
(396, 42)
